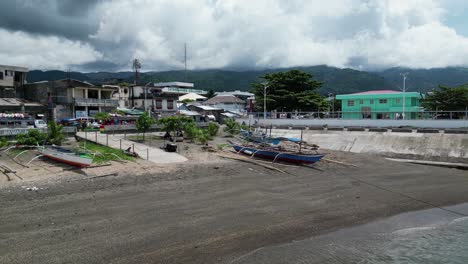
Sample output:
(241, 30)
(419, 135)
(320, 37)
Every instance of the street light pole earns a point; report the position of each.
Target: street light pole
(405, 75)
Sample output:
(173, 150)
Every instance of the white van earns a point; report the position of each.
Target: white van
(39, 123)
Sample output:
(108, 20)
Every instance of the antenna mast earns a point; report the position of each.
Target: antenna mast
(185, 60)
(136, 67)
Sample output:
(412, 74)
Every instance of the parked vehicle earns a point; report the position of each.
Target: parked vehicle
(39, 123)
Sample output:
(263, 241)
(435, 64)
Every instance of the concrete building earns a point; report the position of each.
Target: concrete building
(153, 99)
(179, 88)
(73, 98)
(381, 104)
(227, 102)
(12, 79)
(211, 113)
(161, 98)
(239, 94)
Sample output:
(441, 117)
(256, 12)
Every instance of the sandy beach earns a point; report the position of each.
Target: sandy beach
(214, 211)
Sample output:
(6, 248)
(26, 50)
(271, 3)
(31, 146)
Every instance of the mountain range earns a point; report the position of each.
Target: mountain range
(335, 80)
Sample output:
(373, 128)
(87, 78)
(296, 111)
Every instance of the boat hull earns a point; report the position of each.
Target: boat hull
(279, 156)
(66, 158)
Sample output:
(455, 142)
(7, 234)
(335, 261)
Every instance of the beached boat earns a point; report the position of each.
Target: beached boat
(277, 154)
(66, 156)
(263, 138)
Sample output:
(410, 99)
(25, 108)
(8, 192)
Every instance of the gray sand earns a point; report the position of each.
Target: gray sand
(210, 213)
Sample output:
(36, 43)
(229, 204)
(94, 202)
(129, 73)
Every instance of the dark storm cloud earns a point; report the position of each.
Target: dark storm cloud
(68, 18)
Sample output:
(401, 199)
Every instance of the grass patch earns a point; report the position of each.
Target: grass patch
(106, 153)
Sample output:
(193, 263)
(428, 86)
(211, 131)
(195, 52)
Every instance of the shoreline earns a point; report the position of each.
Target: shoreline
(211, 212)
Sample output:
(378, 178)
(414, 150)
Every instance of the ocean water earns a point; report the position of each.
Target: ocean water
(427, 236)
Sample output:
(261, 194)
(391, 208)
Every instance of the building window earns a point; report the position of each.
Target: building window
(398, 100)
(350, 102)
(158, 104)
(1, 75)
(361, 101)
(382, 101)
(170, 104)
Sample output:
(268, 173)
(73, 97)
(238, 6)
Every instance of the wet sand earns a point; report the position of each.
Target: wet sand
(209, 212)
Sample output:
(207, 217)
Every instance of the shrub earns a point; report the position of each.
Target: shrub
(191, 131)
(34, 137)
(3, 142)
(202, 136)
(55, 133)
(232, 127)
(213, 129)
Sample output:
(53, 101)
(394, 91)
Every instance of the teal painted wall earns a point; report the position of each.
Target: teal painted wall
(379, 106)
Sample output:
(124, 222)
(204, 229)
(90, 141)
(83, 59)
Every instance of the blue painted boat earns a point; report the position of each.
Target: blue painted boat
(263, 138)
(276, 155)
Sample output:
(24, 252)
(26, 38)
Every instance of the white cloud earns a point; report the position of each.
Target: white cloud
(43, 52)
(267, 33)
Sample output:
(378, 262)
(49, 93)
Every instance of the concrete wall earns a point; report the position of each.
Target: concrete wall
(434, 146)
(362, 123)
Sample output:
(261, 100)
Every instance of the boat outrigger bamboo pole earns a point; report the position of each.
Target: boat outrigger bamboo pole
(300, 143)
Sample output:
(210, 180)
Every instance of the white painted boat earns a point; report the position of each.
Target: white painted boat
(65, 156)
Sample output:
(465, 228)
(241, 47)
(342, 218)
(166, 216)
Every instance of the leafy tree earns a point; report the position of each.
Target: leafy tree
(33, 137)
(210, 94)
(447, 99)
(173, 123)
(144, 122)
(288, 91)
(102, 116)
(185, 101)
(55, 133)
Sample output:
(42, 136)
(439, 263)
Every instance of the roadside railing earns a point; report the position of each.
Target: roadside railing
(407, 115)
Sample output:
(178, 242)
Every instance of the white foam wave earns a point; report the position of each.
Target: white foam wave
(412, 230)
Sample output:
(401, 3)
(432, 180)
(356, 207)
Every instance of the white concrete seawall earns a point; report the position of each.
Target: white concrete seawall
(432, 145)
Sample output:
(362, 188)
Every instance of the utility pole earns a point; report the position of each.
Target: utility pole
(405, 76)
(265, 86)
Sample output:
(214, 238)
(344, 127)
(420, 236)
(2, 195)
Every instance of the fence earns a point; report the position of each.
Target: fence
(16, 131)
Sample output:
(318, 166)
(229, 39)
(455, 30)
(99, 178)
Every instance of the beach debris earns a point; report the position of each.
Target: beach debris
(227, 156)
(32, 188)
(339, 162)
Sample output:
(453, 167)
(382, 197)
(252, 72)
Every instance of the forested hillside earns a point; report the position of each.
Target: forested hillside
(334, 80)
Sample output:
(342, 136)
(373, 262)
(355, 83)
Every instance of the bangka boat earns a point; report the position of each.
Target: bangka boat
(65, 156)
(278, 155)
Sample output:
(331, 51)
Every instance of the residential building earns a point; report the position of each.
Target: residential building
(381, 104)
(239, 94)
(227, 102)
(12, 79)
(178, 88)
(209, 112)
(153, 99)
(161, 98)
(73, 98)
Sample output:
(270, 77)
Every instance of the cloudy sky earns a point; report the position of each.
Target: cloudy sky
(96, 35)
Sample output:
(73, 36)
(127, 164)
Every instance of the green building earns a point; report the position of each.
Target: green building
(381, 104)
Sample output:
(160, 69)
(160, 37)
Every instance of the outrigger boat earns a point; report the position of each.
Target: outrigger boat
(278, 155)
(65, 156)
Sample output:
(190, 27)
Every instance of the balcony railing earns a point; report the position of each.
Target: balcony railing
(96, 102)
